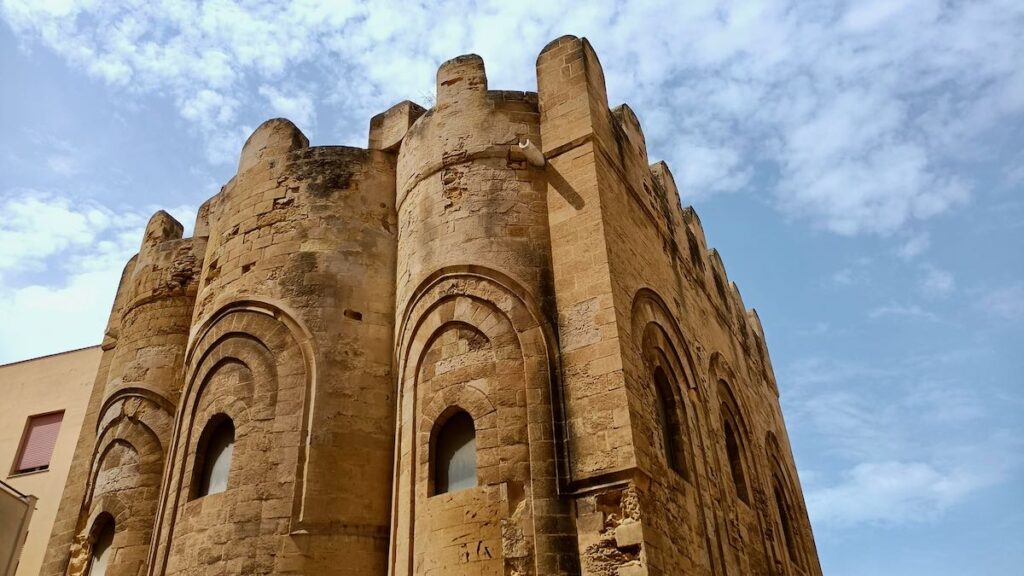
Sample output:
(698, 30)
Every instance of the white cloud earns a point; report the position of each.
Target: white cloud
(1006, 302)
(908, 439)
(710, 169)
(936, 282)
(820, 396)
(1013, 173)
(891, 492)
(858, 271)
(895, 309)
(62, 158)
(817, 330)
(65, 165)
(225, 146)
(867, 16)
(914, 246)
(296, 106)
(858, 109)
(843, 277)
(76, 312)
(44, 236)
(36, 226)
(209, 107)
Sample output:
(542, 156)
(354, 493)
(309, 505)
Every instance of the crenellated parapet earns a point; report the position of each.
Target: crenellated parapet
(388, 129)
(155, 316)
(494, 341)
(647, 317)
(132, 412)
(290, 341)
(474, 337)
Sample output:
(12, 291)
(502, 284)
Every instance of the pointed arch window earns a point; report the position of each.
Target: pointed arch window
(102, 549)
(732, 436)
(669, 422)
(782, 507)
(454, 463)
(734, 451)
(213, 463)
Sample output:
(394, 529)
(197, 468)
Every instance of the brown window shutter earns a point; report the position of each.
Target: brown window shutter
(40, 438)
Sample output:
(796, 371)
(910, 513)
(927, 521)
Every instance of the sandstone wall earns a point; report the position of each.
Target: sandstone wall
(122, 450)
(291, 339)
(474, 335)
(668, 304)
(339, 305)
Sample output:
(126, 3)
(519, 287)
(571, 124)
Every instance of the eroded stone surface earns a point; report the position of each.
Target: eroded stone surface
(340, 304)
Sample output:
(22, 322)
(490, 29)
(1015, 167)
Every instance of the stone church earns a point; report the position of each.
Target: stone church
(492, 342)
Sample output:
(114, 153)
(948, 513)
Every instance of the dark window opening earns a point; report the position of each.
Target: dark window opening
(732, 449)
(787, 527)
(455, 455)
(101, 549)
(669, 422)
(216, 448)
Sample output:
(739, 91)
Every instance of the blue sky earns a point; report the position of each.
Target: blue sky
(860, 166)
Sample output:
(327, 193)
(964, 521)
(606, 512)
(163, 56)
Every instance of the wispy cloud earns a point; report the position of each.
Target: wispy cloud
(60, 157)
(818, 329)
(897, 310)
(64, 164)
(908, 441)
(56, 253)
(1006, 302)
(857, 272)
(38, 225)
(913, 246)
(853, 110)
(296, 106)
(936, 282)
(892, 492)
(1013, 173)
(843, 277)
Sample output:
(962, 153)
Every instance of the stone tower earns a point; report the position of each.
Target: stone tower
(492, 342)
